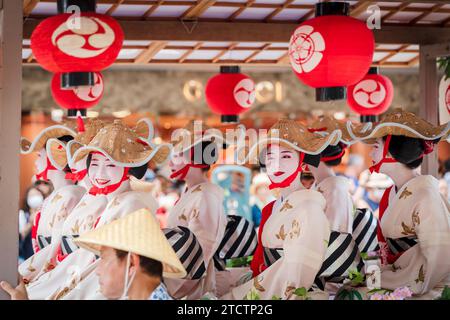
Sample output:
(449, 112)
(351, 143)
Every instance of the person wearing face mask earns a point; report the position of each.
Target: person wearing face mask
(115, 153)
(294, 231)
(414, 225)
(56, 207)
(33, 202)
(134, 256)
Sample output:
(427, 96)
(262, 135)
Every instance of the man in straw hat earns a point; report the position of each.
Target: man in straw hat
(134, 256)
(115, 153)
(414, 219)
(59, 204)
(294, 231)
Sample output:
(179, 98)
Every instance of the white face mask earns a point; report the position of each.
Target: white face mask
(35, 201)
(128, 279)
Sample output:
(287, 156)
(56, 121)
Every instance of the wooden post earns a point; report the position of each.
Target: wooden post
(10, 112)
(429, 100)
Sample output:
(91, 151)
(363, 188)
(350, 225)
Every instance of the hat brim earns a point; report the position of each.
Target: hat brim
(156, 155)
(40, 141)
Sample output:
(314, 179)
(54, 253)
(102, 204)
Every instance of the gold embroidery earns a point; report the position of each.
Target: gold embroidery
(421, 275)
(195, 213)
(90, 222)
(63, 214)
(415, 218)
(30, 267)
(407, 230)
(199, 188)
(48, 266)
(406, 193)
(53, 221)
(286, 206)
(82, 204)
(115, 203)
(288, 292)
(56, 198)
(182, 217)
(295, 230)
(76, 228)
(257, 284)
(281, 234)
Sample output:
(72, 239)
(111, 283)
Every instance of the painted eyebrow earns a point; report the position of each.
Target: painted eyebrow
(286, 151)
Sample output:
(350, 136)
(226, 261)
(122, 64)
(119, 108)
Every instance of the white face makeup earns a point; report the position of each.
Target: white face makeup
(79, 165)
(281, 162)
(41, 161)
(377, 151)
(177, 162)
(102, 172)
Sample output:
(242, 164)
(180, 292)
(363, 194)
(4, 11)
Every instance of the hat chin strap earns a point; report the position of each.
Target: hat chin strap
(44, 174)
(288, 181)
(182, 173)
(376, 167)
(127, 282)
(111, 188)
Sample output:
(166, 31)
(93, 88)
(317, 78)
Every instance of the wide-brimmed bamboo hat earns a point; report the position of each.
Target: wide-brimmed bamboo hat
(124, 146)
(293, 135)
(398, 123)
(140, 233)
(327, 124)
(56, 131)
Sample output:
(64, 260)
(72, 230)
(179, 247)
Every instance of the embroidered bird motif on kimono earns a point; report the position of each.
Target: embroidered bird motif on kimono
(281, 234)
(76, 228)
(51, 223)
(82, 204)
(406, 193)
(182, 217)
(56, 198)
(197, 189)
(63, 214)
(407, 230)
(288, 292)
(295, 230)
(195, 213)
(115, 203)
(30, 267)
(415, 218)
(258, 285)
(421, 275)
(286, 206)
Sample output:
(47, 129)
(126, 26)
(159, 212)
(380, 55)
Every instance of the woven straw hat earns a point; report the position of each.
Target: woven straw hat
(138, 232)
(327, 124)
(56, 153)
(56, 131)
(124, 147)
(293, 135)
(398, 123)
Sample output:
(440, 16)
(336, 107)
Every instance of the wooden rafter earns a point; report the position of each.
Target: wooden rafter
(114, 7)
(254, 54)
(188, 53)
(360, 7)
(223, 52)
(152, 9)
(278, 10)
(396, 10)
(426, 13)
(148, 54)
(393, 53)
(28, 6)
(240, 10)
(284, 58)
(197, 10)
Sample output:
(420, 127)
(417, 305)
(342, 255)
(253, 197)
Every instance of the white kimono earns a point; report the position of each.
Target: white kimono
(339, 208)
(418, 213)
(79, 265)
(200, 209)
(298, 226)
(55, 209)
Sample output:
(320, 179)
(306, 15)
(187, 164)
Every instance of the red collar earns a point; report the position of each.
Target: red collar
(287, 182)
(111, 188)
(76, 175)
(43, 175)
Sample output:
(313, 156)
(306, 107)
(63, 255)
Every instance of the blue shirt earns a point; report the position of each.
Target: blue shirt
(160, 293)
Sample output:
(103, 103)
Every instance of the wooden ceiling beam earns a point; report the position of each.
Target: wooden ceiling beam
(395, 10)
(152, 9)
(197, 10)
(360, 7)
(223, 52)
(147, 55)
(240, 10)
(28, 6)
(114, 7)
(188, 53)
(278, 10)
(426, 13)
(393, 53)
(254, 54)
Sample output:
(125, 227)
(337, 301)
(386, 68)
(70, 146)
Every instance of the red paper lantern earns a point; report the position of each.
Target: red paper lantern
(331, 50)
(230, 93)
(80, 98)
(67, 43)
(372, 95)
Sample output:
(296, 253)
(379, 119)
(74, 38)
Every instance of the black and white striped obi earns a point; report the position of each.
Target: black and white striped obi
(68, 245)
(43, 241)
(188, 250)
(401, 245)
(240, 240)
(365, 230)
(341, 257)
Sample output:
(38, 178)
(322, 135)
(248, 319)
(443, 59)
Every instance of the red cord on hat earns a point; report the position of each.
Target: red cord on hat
(288, 181)
(43, 175)
(111, 188)
(376, 167)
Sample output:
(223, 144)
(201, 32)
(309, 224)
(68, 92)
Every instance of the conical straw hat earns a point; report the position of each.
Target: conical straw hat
(293, 135)
(327, 124)
(56, 131)
(139, 233)
(398, 123)
(124, 147)
(56, 153)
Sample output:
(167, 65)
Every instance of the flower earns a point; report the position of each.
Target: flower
(376, 296)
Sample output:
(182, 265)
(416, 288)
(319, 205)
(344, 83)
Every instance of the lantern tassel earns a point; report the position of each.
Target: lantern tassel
(80, 123)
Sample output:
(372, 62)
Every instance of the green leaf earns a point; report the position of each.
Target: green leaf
(364, 255)
(357, 294)
(275, 298)
(301, 292)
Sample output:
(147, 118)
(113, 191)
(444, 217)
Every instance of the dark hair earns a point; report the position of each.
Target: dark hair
(66, 139)
(332, 151)
(406, 150)
(200, 148)
(150, 266)
(137, 172)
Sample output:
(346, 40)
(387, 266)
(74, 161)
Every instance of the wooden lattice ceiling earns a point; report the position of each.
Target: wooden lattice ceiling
(175, 32)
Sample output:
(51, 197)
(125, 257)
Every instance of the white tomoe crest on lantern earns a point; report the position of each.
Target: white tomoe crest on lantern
(369, 93)
(87, 93)
(305, 49)
(84, 42)
(244, 93)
